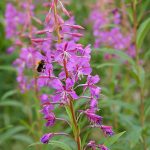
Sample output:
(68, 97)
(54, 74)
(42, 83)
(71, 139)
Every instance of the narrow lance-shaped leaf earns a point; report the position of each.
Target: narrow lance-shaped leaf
(59, 144)
(142, 32)
(10, 132)
(12, 103)
(8, 93)
(121, 54)
(113, 139)
(7, 68)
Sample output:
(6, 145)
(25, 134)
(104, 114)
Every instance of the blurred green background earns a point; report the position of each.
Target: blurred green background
(21, 123)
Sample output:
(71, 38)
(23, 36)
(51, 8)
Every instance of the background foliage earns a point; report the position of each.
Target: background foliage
(21, 124)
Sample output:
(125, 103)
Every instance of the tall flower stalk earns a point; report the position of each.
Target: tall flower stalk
(57, 45)
(69, 107)
(74, 61)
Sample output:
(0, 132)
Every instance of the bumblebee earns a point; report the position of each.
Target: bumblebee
(41, 66)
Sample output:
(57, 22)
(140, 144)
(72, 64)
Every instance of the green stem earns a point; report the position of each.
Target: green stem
(75, 125)
(71, 113)
(135, 25)
(135, 30)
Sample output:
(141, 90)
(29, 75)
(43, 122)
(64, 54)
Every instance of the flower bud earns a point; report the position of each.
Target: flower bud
(46, 137)
(74, 26)
(107, 130)
(39, 40)
(75, 34)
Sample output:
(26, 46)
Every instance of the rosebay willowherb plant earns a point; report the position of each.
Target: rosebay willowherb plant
(111, 29)
(60, 90)
(56, 46)
(74, 61)
(19, 29)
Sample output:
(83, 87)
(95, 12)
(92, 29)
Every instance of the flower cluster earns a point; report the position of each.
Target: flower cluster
(26, 61)
(19, 29)
(13, 18)
(17, 22)
(74, 60)
(93, 146)
(108, 32)
(18, 19)
(57, 45)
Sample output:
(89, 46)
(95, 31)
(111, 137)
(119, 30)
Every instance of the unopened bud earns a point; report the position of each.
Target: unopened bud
(39, 40)
(74, 26)
(75, 34)
(47, 19)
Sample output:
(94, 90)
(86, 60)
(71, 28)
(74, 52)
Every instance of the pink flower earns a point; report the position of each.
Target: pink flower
(91, 81)
(65, 50)
(50, 117)
(93, 105)
(102, 147)
(94, 146)
(95, 119)
(107, 130)
(64, 92)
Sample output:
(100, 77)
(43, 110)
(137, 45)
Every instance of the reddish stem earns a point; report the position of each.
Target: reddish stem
(77, 134)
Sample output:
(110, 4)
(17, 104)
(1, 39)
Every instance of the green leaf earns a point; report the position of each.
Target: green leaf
(9, 93)
(5, 128)
(73, 126)
(139, 75)
(80, 103)
(10, 132)
(59, 144)
(119, 53)
(142, 76)
(142, 32)
(113, 139)
(71, 119)
(104, 65)
(119, 103)
(134, 74)
(85, 138)
(134, 136)
(34, 144)
(130, 13)
(12, 103)
(23, 138)
(127, 121)
(147, 112)
(146, 55)
(7, 68)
